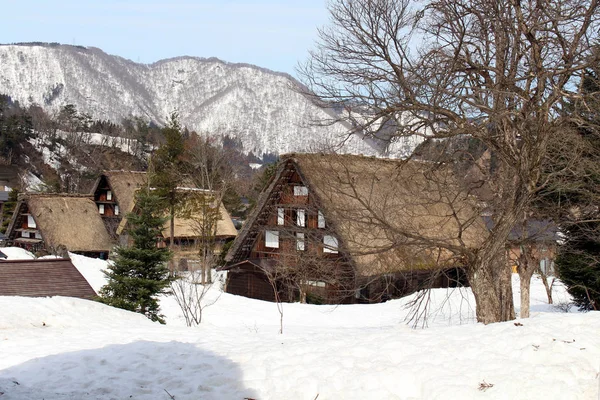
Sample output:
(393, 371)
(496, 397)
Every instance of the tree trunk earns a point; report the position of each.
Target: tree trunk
(547, 286)
(172, 266)
(172, 230)
(302, 295)
(526, 265)
(490, 280)
(525, 284)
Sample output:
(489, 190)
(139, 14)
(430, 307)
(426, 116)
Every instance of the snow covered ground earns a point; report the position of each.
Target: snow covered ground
(64, 348)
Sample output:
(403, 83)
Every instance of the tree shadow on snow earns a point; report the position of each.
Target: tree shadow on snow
(139, 370)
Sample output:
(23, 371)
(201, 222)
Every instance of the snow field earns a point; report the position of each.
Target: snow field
(64, 348)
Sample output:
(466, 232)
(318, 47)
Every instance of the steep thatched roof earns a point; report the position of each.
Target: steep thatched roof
(43, 277)
(67, 220)
(124, 184)
(190, 227)
(388, 215)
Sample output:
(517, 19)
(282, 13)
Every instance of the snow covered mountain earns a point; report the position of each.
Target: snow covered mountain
(263, 109)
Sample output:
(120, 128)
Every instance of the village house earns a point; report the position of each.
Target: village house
(538, 238)
(114, 194)
(343, 228)
(57, 223)
(43, 278)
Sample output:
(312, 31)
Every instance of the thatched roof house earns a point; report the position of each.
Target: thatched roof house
(189, 227)
(378, 216)
(59, 222)
(114, 194)
(42, 278)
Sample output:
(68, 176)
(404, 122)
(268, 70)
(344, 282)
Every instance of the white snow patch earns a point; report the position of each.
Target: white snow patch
(63, 348)
(255, 165)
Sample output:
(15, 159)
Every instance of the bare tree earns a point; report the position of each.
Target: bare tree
(192, 296)
(496, 71)
(211, 176)
(214, 176)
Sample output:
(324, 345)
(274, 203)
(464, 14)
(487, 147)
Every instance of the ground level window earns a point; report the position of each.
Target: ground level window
(316, 283)
(272, 239)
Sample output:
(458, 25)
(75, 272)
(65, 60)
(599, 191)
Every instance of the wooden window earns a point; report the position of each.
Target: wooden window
(31, 222)
(116, 210)
(108, 195)
(301, 217)
(316, 283)
(38, 235)
(300, 191)
(272, 239)
(330, 244)
(321, 220)
(280, 216)
(300, 245)
(101, 208)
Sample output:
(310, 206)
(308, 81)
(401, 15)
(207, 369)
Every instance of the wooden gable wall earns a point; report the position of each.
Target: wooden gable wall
(289, 203)
(21, 234)
(108, 206)
(295, 207)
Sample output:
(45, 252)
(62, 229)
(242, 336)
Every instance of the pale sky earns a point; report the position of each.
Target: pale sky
(274, 34)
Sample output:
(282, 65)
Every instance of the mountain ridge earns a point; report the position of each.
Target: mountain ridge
(265, 110)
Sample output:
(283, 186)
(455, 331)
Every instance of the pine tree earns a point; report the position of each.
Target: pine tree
(579, 265)
(578, 260)
(8, 209)
(139, 273)
(167, 170)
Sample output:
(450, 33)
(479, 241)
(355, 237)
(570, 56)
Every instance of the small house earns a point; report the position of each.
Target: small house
(345, 228)
(57, 223)
(538, 237)
(114, 194)
(43, 278)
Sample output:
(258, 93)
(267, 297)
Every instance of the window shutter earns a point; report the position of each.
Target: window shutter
(330, 244)
(300, 191)
(300, 246)
(301, 217)
(321, 220)
(272, 239)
